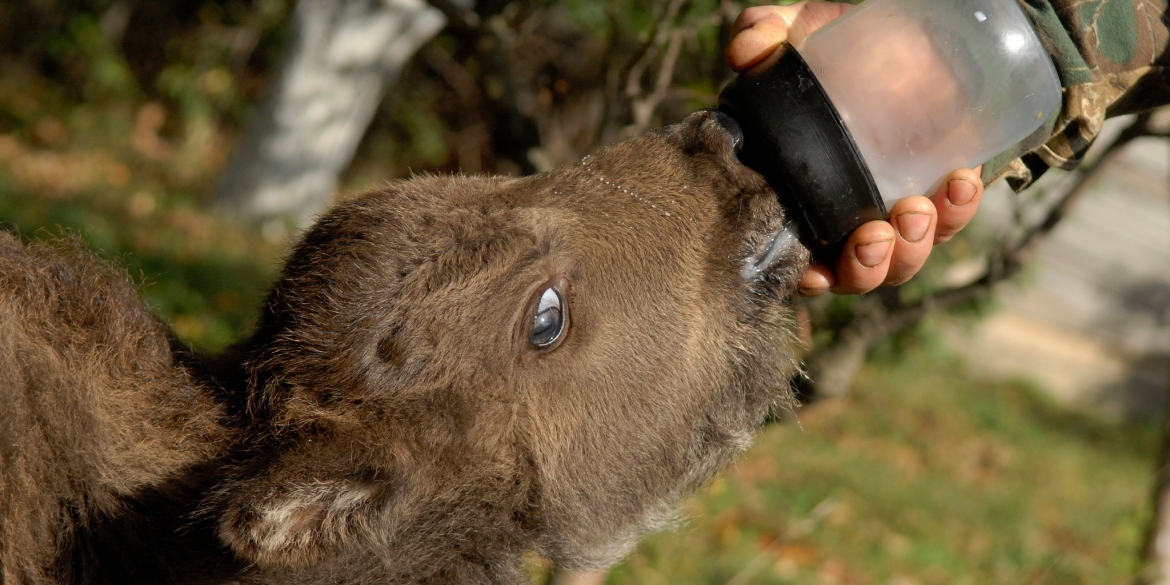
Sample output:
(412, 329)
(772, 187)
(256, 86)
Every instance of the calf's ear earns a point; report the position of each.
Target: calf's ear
(275, 520)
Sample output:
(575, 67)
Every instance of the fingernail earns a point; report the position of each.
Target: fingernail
(960, 192)
(870, 255)
(912, 226)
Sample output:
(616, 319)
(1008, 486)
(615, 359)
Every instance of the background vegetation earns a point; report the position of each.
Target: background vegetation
(117, 116)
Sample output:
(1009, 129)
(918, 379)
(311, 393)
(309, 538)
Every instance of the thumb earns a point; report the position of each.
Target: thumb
(760, 30)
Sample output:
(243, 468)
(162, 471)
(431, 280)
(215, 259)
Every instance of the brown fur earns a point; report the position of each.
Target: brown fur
(388, 420)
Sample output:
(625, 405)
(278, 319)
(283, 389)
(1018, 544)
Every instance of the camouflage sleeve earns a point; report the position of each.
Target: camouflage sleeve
(1113, 59)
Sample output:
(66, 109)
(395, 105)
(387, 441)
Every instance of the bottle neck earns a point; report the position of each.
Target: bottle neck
(795, 138)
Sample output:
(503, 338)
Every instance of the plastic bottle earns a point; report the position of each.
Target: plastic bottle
(888, 99)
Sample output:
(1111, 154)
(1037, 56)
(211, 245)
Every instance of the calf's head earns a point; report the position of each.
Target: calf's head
(495, 363)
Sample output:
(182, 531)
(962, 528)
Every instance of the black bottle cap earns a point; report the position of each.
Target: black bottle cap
(795, 138)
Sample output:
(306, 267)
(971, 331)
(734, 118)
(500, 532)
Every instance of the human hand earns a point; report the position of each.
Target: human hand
(879, 252)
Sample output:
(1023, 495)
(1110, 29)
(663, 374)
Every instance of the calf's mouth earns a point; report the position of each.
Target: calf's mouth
(770, 249)
(760, 263)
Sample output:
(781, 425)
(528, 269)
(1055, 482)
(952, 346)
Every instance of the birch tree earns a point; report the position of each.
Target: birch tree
(341, 56)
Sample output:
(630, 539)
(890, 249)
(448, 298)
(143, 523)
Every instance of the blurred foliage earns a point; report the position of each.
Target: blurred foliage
(115, 117)
(540, 83)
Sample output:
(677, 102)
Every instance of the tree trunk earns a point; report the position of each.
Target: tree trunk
(340, 58)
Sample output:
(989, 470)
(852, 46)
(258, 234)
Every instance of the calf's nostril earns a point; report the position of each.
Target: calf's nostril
(732, 128)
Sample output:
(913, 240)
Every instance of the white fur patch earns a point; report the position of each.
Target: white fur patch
(304, 511)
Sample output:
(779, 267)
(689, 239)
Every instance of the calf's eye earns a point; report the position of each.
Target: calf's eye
(548, 324)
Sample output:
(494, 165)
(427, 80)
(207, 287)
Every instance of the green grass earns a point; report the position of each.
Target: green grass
(924, 475)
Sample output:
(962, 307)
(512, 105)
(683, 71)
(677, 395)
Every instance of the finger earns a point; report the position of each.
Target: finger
(817, 280)
(752, 17)
(865, 260)
(757, 33)
(760, 30)
(957, 200)
(812, 16)
(914, 220)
